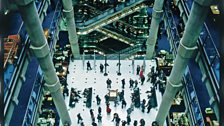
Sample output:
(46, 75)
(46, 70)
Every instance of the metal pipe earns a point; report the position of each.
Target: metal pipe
(70, 20)
(40, 49)
(186, 50)
(154, 26)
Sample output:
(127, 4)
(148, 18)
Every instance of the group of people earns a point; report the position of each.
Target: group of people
(155, 77)
(90, 68)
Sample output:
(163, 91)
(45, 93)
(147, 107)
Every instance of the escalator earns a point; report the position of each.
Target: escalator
(127, 53)
(96, 47)
(109, 16)
(117, 36)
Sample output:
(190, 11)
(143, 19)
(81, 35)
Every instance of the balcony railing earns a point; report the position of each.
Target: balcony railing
(34, 99)
(8, 91)
(195, 110)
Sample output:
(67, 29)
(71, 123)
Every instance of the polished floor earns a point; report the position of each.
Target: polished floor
(80, 79)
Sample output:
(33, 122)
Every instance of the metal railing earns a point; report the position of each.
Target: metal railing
(110, 16)
(116, 36)
(194, 106)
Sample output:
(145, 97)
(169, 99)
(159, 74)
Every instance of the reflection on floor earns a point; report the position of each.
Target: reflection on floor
(79, 78)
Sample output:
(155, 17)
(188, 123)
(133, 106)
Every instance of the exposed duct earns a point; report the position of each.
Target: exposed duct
(153, 31)
(186, 50)
(40, 49)
(70, 20)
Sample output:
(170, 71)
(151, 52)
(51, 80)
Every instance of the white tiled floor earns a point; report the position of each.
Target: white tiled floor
(79, 78)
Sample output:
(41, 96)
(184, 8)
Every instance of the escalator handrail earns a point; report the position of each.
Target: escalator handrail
(108, 11)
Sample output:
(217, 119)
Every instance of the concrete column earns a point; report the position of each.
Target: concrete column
(186, 50)
(70, 20)
(154, 26)
(40, 49)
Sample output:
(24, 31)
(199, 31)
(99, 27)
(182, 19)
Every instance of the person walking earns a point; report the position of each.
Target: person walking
(98, 100)
(142, 80)
(143, 105)
(116, 102)
(123, 103)
(99, 110)
(99, 118)
(79, 118)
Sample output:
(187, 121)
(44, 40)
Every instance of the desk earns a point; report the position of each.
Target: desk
(113, 95)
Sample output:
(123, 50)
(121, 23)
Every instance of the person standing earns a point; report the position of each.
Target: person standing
(142, 122)
(101, 68)
(123, 83)
(131, 82)
(136, 83)
(98, 100)
(128, 119)
(106, 98)
(123, 123)
(138, 70)
(94, 124)
(118, 119)
(135, 123)
(141, 74)
(92, 115)
(108, 109)
(88, 66)
(108, 83)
